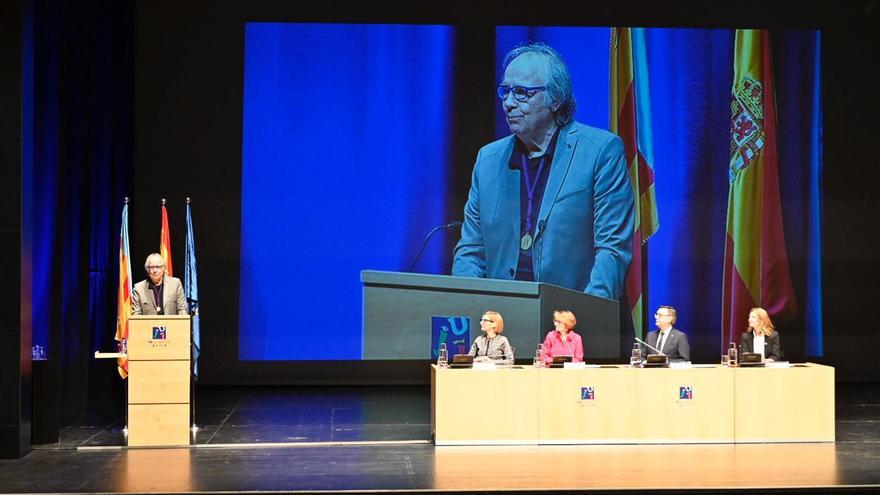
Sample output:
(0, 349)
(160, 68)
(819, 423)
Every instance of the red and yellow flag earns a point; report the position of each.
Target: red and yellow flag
(123, 298)
(165, 241)
(756, 271)
(631, 120)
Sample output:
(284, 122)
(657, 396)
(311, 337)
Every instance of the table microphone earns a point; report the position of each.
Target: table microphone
(649, 346)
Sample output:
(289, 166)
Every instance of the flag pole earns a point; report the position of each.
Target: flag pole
(125, 382)
(194, 428)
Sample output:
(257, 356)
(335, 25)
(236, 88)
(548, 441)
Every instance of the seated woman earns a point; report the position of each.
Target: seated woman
(761, 337)
(492, 346)
(563, 341)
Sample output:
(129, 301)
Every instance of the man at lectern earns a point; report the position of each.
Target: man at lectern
(158, 294)
(668, 339)
(553, 202)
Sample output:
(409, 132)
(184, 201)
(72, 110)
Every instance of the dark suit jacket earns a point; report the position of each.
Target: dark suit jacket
(772, 346)
(676, 346)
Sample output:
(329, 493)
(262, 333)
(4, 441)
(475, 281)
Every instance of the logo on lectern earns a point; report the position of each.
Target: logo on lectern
(159, 333)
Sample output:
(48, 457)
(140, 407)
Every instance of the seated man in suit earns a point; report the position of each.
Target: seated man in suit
(669, 340)
(158, 294)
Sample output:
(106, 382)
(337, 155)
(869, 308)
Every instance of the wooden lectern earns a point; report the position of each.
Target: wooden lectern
(158, 380)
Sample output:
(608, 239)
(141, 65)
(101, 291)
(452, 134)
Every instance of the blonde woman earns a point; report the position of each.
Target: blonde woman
(562, 341)
(492, 346)
(761, 336)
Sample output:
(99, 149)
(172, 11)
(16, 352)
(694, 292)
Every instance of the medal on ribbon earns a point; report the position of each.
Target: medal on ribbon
(526, 241)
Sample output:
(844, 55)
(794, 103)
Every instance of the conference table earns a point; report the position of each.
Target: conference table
(613, 404)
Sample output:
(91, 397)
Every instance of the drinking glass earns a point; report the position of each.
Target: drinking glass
(443, 356)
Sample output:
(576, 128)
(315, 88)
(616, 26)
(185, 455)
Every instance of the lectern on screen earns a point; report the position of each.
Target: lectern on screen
(407, 314)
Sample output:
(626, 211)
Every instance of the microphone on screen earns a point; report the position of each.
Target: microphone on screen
(448, 226)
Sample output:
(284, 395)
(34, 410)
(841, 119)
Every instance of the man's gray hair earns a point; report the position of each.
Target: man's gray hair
(147, 261)
(559, 87)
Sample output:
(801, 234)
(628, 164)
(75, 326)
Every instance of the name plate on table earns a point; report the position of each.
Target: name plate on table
(778, 364)
(680, 364)
(578, 366)
(110, 355)
(484, 365)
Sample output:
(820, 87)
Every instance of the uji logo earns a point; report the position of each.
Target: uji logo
(159, 333)
(454, 331)
(686, 393)
(588, 393)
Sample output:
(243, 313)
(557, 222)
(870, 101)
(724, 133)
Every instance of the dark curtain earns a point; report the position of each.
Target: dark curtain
(83, 140)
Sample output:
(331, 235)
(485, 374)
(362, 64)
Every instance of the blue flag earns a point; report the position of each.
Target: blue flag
(191, 288)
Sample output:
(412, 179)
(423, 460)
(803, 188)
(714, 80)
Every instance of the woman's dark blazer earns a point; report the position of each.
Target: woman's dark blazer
(772, 347)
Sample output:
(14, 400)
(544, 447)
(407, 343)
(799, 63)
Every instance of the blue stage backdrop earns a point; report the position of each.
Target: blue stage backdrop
(345, 166)
(347, 163)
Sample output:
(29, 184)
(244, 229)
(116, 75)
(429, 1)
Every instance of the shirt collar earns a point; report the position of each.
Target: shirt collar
(559, 335)
(520, 151)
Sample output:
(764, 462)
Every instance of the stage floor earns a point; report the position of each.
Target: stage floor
(289, 440)
(257, 415)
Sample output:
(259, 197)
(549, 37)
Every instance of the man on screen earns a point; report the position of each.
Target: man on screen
(553, 202)
(158, 294)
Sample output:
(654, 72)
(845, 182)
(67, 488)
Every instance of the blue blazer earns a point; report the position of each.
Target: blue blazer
(583, 237)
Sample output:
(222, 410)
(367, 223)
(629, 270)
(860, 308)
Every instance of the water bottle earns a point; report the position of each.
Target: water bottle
(38, 353)
(442, 356)
(538, 362)
(636, 357)
(731, 355)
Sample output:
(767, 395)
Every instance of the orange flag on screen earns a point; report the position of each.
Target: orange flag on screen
(123, 299)
(631, 120)
(756, 271)
(165, 242)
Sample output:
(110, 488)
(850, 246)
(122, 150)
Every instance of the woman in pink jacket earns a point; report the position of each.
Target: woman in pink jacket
(563, 341)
